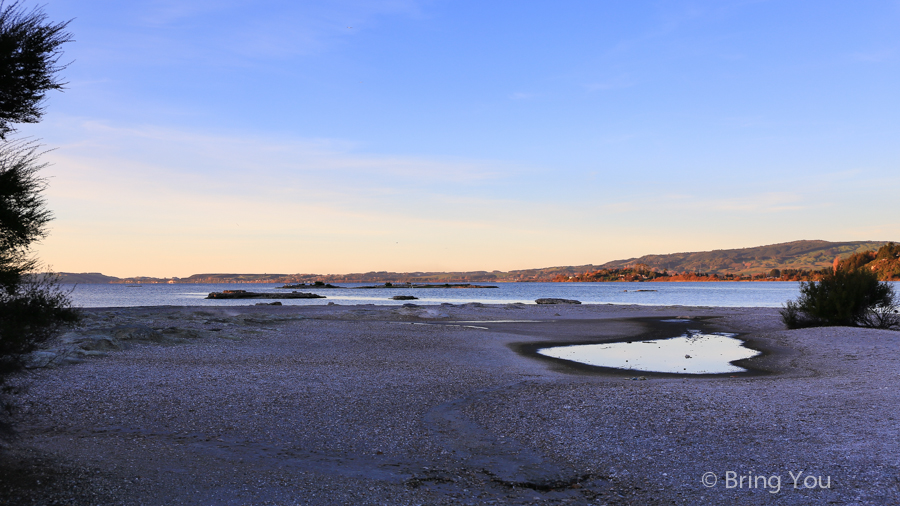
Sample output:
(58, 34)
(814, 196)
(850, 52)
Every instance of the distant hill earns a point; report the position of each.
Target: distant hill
(798, 255)
(234, 278)
(751, 263)
(545, 274)
(85, 278)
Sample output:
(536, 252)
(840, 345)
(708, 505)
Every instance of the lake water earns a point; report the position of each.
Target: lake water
(731, 294)
(693, 353)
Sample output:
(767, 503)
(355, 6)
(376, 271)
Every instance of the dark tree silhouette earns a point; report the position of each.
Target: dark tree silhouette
(23, 214)
(30, 48)
(32, 306)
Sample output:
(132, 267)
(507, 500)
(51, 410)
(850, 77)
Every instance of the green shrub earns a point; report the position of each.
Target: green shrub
(889, 251)
(849, 297)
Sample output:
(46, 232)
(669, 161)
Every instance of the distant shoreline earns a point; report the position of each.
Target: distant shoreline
(792, 261)
(501, 282)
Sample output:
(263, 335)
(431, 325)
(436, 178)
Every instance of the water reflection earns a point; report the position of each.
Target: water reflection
(693, 353)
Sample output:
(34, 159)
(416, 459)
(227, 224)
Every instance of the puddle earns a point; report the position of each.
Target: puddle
(693, 353)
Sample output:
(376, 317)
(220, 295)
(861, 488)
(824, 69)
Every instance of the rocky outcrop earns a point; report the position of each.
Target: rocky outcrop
(243, 294)
(557, 301)
(73, 347)
(139, 333)
(411, 285)
(404, 297)
(103, 331)
(317, 284)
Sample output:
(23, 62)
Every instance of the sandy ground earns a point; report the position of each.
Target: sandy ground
(386, 405)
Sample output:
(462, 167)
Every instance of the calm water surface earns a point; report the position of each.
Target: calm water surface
(693, 353)
(746, 294)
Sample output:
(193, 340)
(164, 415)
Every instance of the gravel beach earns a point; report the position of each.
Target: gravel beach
(448, 404)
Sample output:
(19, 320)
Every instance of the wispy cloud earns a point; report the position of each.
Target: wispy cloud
(233, 32)
(184, 152)
(768, 202)
(685, 204)
(181, 178)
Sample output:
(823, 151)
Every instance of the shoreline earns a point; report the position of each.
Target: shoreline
(384, 404)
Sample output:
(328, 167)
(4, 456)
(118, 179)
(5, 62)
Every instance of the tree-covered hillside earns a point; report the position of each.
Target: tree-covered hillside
(796, 255)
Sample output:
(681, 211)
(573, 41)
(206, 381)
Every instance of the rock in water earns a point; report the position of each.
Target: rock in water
(243, 294)
(404, 297)
(557, 301)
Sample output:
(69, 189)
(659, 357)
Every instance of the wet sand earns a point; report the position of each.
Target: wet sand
(386, 405)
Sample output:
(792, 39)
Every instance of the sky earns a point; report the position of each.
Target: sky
(200, 136)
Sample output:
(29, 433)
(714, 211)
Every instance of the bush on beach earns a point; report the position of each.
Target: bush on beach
(29, 316)
(845, 297)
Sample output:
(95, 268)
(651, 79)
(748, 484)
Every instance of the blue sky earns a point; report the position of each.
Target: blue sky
(347, 136)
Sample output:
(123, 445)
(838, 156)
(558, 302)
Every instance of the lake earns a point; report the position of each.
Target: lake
(728, 294)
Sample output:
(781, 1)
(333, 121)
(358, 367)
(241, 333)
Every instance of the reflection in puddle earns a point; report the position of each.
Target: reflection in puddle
(694, 353)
